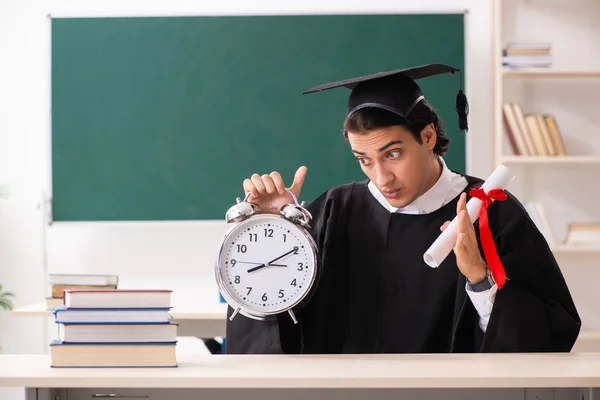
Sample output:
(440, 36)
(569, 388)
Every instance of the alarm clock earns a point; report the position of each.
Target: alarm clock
(266, 263)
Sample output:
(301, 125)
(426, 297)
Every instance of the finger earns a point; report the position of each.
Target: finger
(258, 183)
(298, 181)
(250, 188)
(268, 182)
(278, 181)
(460, 244)
(460, 226)
(462, 203)
(444, 226)
(468, 227)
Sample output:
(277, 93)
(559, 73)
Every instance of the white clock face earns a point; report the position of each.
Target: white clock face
(266, 264)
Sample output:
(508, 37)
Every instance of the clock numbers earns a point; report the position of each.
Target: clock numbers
(267, 266)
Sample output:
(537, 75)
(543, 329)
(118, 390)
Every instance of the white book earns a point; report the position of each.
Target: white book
(117, 298)
(117, 333)
(83, 279)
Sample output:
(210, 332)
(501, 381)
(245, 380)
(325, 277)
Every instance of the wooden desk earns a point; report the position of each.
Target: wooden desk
(201, 320)
(507, 376)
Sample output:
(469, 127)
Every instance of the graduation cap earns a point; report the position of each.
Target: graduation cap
(396, 91)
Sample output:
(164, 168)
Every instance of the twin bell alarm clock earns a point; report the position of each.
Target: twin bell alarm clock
(267, 263)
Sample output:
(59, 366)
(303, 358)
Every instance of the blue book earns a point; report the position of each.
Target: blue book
(113, 315)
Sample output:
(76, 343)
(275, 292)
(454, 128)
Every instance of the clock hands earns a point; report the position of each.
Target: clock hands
(272, 261)
(271, 265)
(250, 262)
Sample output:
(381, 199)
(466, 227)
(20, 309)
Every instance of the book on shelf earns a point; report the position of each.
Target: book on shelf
(114, 328)
(531, 134)
(83, 280)
(583, 234)
(58, 283)
(527, 55)
(54, 302)
(538, 216)
(58, 291)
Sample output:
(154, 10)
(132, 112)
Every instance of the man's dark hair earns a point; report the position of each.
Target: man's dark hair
(370, 118)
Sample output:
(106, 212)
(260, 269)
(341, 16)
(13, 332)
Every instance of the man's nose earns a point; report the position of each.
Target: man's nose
(384, 176)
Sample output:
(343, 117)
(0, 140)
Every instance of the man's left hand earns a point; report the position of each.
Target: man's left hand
(466, 249)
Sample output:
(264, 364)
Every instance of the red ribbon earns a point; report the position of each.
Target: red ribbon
(487, 241)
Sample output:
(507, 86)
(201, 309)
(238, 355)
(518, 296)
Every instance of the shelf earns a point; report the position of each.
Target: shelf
(563, 249)
(551, 72)
(550, 160)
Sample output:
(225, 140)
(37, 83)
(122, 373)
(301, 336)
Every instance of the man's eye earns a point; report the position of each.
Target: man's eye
(364, 161)
(394, 154)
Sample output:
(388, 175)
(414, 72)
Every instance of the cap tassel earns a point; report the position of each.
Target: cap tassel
(462, 109)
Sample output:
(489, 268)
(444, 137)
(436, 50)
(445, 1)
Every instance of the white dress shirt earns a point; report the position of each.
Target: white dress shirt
(447, 187)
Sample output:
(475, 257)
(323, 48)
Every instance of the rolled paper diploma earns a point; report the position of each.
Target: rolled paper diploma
(443, 245)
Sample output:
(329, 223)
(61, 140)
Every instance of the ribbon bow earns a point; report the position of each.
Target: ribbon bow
(487, 241)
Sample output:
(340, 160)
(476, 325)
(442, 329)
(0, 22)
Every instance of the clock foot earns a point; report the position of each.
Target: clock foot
(293, 316)
(237, 310)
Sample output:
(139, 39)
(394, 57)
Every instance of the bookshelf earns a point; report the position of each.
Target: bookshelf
(568, 90)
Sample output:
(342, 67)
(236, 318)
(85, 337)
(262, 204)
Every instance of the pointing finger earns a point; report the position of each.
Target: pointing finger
(298, 181)
(462, 203)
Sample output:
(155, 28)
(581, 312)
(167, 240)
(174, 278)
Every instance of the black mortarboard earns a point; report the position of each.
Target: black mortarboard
(396, 91)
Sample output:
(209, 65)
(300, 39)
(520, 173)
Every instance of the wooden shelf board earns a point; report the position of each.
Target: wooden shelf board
(551, 72)
(550, 160)
(564, 249)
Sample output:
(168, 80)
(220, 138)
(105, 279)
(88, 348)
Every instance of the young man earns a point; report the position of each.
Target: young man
(375, 294)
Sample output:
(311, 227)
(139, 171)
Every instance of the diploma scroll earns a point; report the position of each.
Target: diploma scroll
(444, 244)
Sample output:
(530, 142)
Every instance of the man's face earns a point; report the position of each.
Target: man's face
(400, 167)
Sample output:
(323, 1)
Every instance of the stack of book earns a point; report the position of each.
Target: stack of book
(58, 283)
(526, 55)
(114, 328)
(531, 134)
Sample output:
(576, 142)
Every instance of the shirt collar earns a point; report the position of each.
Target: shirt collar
(428, 202)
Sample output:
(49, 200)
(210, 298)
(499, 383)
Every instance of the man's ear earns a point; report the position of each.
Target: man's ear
(429, 136)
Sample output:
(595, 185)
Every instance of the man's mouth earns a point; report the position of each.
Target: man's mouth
(391, 193)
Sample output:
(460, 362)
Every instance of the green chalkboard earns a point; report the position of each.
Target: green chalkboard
(161, 118)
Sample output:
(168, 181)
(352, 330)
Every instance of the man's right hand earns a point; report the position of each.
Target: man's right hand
(269, 192)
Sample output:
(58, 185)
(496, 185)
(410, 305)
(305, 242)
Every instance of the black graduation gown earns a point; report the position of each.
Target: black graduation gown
(375, 294)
